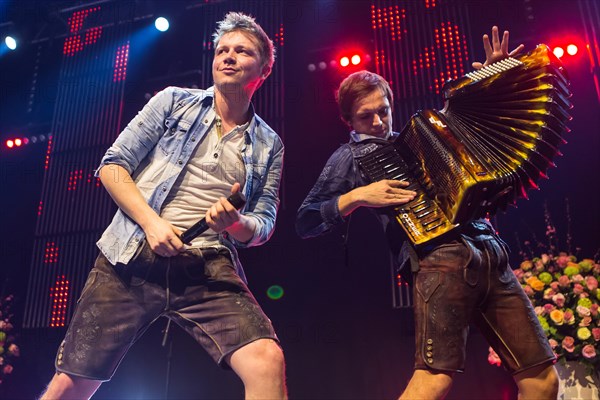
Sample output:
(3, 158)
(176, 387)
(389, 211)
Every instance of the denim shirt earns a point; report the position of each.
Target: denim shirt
(155, 147)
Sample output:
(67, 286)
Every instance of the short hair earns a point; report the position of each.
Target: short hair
(358, 85)
(237, 21)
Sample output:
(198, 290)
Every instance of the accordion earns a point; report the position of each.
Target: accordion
(497, 134)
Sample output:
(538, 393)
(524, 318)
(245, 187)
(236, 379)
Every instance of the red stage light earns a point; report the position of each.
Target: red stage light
(344, 61)
(10, 144)
(558, 51)
(355, 59)
(572, 49)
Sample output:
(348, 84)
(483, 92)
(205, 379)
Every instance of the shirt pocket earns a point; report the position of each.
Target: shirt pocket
(175, 131)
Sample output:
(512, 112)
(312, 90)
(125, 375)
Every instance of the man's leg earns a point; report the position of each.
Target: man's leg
(65, 387)
(429, 385)
(537, 383)
(260, 365)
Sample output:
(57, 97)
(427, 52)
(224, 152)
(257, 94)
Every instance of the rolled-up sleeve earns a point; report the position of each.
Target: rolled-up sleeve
(141, 134)
(264, 203)
(319, 212)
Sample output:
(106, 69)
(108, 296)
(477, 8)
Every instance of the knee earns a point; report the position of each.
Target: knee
(263, 357)
(552, 382)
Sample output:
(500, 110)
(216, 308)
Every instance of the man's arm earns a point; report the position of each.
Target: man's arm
(384, 193)
(162, 237)
(337, 193)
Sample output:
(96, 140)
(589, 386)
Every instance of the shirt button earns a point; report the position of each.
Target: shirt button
(164, 189)
(179, 162)
(216, 155)
(193, 139)
(206, 121)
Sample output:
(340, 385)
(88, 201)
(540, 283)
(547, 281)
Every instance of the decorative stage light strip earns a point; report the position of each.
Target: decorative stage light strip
(59, 294)
(48, 151)
(73, 44)
(51, 253)
(121, 59)
(390, 18)
(74, 177)
(279, 36)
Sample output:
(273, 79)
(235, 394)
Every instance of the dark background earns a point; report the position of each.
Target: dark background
(341, 336)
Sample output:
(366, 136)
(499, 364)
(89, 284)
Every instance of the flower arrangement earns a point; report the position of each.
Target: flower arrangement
(8, 349)
(566, 300)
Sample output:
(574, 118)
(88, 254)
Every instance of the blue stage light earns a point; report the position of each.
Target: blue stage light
(162, 24)
(11, 42)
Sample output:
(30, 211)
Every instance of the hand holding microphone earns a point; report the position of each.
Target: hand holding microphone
(237, 200)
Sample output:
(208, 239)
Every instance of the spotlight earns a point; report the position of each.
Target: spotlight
(162, 24)
(344, 61)
(322, 65)
(10, 42)
(312, 67)
(558, 52)
(18, 142)
(355, 59)
(10, 144)
(572, 49)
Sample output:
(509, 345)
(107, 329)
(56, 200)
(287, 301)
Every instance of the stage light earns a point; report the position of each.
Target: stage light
(356, 59)
(162, 24)
(18, 142)
(275, 292)
(10, 143)
(572, 49)
(558, 52)
(10, 42)
(312, 67)
(344, 61)
(322, 65)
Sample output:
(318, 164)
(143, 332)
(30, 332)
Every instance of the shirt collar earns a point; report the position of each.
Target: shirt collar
(250, 134)
(360, 137)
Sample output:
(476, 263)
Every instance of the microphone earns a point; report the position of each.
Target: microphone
(237, 200)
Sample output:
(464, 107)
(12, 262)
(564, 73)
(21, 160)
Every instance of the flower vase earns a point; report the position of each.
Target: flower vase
(575, 381)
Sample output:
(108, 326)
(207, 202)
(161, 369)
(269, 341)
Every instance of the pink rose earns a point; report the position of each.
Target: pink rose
(545, 258)
(528, 290)
(597, 269)
(548, 293)
(596, 333)
(568, 344)
(7, 369)
(577, 288)
(577, 278)
(518, 273)
(594, 310)
(539, 310)
(588, 351)
(569, 318)
(586, 321)
(583, 311)
(13, 349)
(539, 266)
(591, 283)
(553, 343)
(554, 286)
(548, 308)
(559, 300)
(564, 281)
(562, 261)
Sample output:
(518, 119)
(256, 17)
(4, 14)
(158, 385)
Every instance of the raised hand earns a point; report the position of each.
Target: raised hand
(496, 50)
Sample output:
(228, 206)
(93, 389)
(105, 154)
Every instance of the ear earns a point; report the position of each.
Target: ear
(266, 71)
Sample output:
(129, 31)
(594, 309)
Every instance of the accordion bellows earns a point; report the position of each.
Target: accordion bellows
(497, 135)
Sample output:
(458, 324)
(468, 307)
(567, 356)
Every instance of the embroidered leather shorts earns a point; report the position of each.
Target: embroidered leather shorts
(470, 281)
(199, 290)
